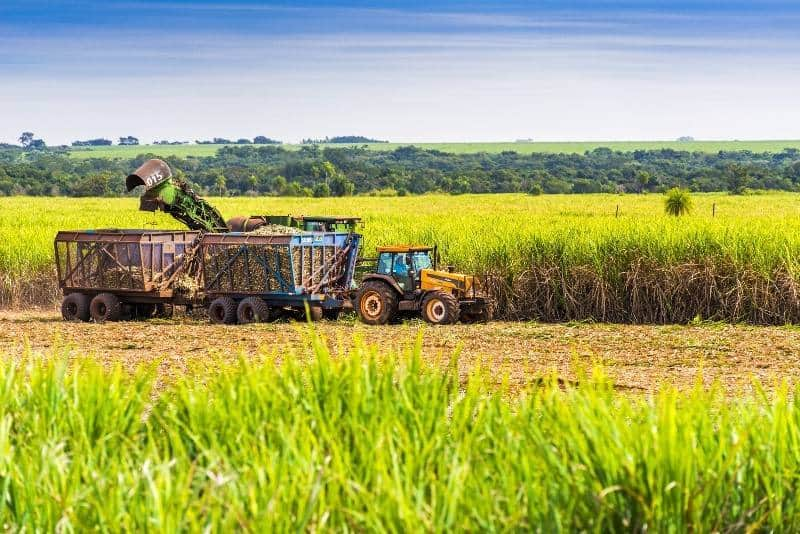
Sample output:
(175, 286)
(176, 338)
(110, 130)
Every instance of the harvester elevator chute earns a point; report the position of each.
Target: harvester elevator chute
(165, 193)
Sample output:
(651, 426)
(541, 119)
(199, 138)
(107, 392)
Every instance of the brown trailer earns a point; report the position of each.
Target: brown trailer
(107, 275)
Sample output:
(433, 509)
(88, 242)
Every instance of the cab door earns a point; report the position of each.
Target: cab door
(396, 265)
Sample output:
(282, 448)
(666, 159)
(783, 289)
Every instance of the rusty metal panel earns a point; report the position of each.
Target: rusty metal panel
(131, 260)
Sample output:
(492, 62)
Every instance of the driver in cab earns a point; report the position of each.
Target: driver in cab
(401, 270)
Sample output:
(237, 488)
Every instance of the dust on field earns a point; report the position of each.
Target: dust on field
(636, 357)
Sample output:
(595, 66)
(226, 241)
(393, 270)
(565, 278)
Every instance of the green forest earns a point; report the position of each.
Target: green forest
(341, 171)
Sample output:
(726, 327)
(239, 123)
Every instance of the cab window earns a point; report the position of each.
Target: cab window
(422, 260)
(385, 263)
(400, 267)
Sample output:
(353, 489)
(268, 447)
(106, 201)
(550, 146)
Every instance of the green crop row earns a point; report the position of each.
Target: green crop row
(383, 443)
(604, 257)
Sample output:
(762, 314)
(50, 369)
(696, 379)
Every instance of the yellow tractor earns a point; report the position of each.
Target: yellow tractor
(406, 278)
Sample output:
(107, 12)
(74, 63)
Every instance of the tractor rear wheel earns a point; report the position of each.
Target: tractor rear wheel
(105, 307)
(376, 303)
(75, 307)
(222, 311)
(252, 310)
(439, 307)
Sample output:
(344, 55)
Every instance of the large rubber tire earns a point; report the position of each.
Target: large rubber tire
(222, 311)
(439, 307)
(252, 310)
(75, 307)
(376, 303)
(105, 307)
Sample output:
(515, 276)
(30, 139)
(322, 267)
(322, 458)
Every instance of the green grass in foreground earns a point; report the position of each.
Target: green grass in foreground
(463, 148)
(371, 443)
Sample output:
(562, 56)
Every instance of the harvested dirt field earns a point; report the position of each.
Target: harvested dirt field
(638, 358)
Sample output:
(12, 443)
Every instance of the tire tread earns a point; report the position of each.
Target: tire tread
(228, 310)
(388, 296)
(450, 304)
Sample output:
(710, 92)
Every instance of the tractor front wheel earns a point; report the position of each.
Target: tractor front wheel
(376, 303)
(439, 307)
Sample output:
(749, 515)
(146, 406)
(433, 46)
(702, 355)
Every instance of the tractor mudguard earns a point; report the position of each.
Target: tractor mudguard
(384, 278)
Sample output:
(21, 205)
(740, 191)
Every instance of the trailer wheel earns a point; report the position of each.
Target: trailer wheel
(252, 310)
(377, 303)
(439, 307)
(222, 311)
(75, 307)
(105, 307)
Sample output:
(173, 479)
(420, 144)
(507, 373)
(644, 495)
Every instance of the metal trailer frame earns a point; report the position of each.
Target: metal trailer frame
(307, 277)
(150, 266)
(145, 262)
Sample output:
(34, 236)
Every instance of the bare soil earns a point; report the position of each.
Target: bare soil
(637, 358)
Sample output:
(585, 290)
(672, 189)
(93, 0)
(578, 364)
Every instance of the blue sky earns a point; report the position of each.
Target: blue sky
(406, 71)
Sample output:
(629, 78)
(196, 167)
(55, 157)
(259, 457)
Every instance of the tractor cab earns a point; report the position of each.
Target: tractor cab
(404, 263)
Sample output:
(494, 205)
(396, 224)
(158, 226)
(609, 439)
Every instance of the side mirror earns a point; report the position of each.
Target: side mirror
(409, 261)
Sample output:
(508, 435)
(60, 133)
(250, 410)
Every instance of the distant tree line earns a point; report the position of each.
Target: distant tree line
(257, 140)
(28, 142)
(342, 139)
(339, 171)
(128, 141)
(93, 142)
